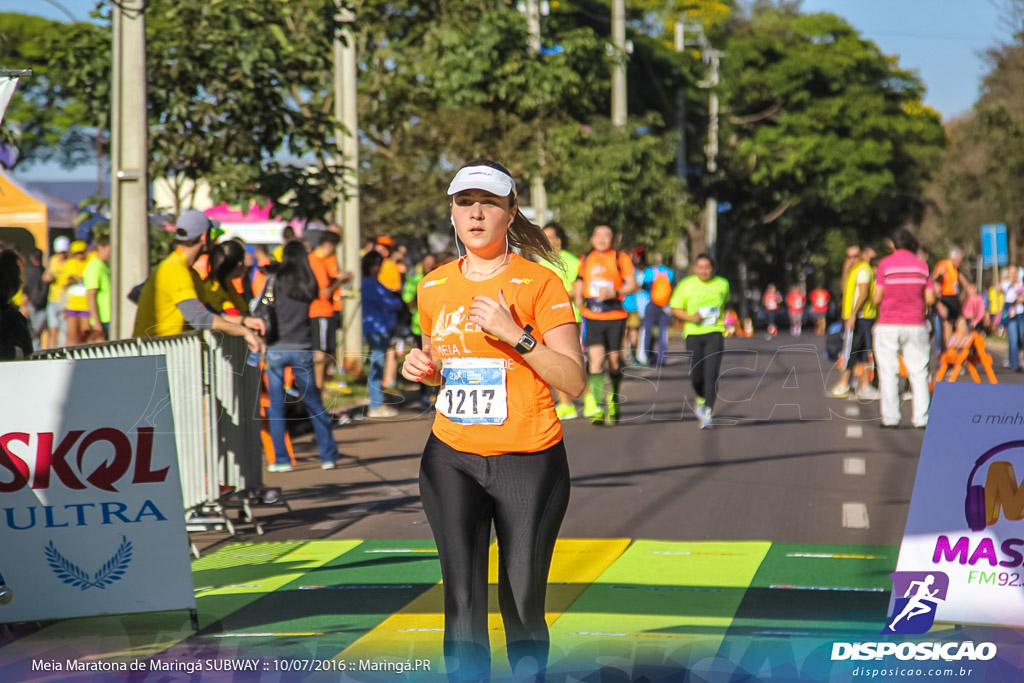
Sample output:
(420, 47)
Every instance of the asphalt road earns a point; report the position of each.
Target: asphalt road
(782, 463)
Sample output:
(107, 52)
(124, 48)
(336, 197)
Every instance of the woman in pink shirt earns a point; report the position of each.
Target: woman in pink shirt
(974, 309)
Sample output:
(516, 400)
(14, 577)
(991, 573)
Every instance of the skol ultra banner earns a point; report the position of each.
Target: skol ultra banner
(963, 548)
(91, 518)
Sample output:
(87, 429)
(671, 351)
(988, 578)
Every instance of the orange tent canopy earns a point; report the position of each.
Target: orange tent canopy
(20, 211)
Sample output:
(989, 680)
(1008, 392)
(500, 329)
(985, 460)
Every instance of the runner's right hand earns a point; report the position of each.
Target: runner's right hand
(418, 364)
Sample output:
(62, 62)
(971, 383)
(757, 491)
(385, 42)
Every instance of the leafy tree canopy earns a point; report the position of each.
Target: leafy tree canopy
(822, 132)
(44, 121)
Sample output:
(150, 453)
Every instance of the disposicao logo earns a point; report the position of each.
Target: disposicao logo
(917, 597)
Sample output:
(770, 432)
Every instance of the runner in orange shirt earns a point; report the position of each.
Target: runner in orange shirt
(605, 276)
(497, 330)
(950, 282)
(820, 299)
(322, 318)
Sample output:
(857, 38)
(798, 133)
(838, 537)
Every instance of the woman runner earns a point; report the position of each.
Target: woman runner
(497, 330)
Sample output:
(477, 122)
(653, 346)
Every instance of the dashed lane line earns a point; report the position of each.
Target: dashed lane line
(855, 516)
(854, 466)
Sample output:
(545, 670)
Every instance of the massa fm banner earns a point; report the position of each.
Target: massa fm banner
(91, 518)
(964, 540)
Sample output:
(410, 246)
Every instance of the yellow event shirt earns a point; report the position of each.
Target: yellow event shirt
(870, 309)
(171, 283)
(389, 275)
(77, 299)
(60, 279)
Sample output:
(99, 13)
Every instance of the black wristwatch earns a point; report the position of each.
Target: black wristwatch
(526, 342)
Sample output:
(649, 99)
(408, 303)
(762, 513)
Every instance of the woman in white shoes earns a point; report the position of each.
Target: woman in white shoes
(294, 286)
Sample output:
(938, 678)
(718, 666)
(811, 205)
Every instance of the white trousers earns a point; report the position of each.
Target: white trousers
(912, 342)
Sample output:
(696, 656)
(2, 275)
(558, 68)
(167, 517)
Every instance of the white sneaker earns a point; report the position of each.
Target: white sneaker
(276, 467)
(328, 466)
(381, 411)
(706, 419)
(868, 394)
(839, 391)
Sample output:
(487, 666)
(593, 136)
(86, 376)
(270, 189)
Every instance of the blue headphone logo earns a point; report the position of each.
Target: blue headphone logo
(974, 503)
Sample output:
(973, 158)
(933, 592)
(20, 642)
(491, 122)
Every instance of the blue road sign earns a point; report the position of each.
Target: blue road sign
(993, 245)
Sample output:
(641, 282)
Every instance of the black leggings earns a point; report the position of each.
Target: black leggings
(525, 495)
(705, 363)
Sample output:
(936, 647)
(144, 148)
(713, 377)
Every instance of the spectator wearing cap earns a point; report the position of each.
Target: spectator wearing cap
(169, 303)
(56, 327)
(77, 310)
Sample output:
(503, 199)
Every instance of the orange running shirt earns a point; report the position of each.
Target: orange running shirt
(950, 278)
(321, 306)
(331, 267)
(598, 270)
(537, 298)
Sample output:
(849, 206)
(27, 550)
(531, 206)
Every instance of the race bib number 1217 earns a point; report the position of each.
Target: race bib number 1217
(474, 391)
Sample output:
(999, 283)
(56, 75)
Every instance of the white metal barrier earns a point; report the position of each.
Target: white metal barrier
(214, 398)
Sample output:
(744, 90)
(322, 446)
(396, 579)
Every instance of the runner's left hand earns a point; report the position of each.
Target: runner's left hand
(495, 318)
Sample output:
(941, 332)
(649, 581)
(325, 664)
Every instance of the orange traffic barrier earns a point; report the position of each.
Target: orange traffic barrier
(268, 443)
(966, 351)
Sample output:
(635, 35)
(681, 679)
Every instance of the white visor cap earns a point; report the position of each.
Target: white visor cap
(482, 178)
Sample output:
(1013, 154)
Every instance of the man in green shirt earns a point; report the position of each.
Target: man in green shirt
(699, 301)
(96, 279)
(570, 267)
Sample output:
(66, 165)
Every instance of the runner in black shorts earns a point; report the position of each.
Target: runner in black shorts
(605, 276)
(605, 333)
(953, 307)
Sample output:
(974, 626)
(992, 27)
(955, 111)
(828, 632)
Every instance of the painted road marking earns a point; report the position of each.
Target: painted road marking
(854, 431)
(854, 466)
(855, 516)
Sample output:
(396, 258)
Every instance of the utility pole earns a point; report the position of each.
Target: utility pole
(680, 45)
(538, 193)
(619, 70)
(711, 207)
(129, 154)
(347, 209)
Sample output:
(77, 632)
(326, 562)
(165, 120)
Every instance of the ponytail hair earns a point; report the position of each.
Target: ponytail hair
(530, 238)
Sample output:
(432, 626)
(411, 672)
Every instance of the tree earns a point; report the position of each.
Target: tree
(440, 85)
(45, 121)
(621, 178)
(821, 133)
(238, 96)
(998, 129)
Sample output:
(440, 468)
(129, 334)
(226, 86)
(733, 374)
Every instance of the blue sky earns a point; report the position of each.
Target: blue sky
(943, 40)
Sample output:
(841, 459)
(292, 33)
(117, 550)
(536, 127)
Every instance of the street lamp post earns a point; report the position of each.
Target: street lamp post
(129, 200)
(347, 209)
(619, 69)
